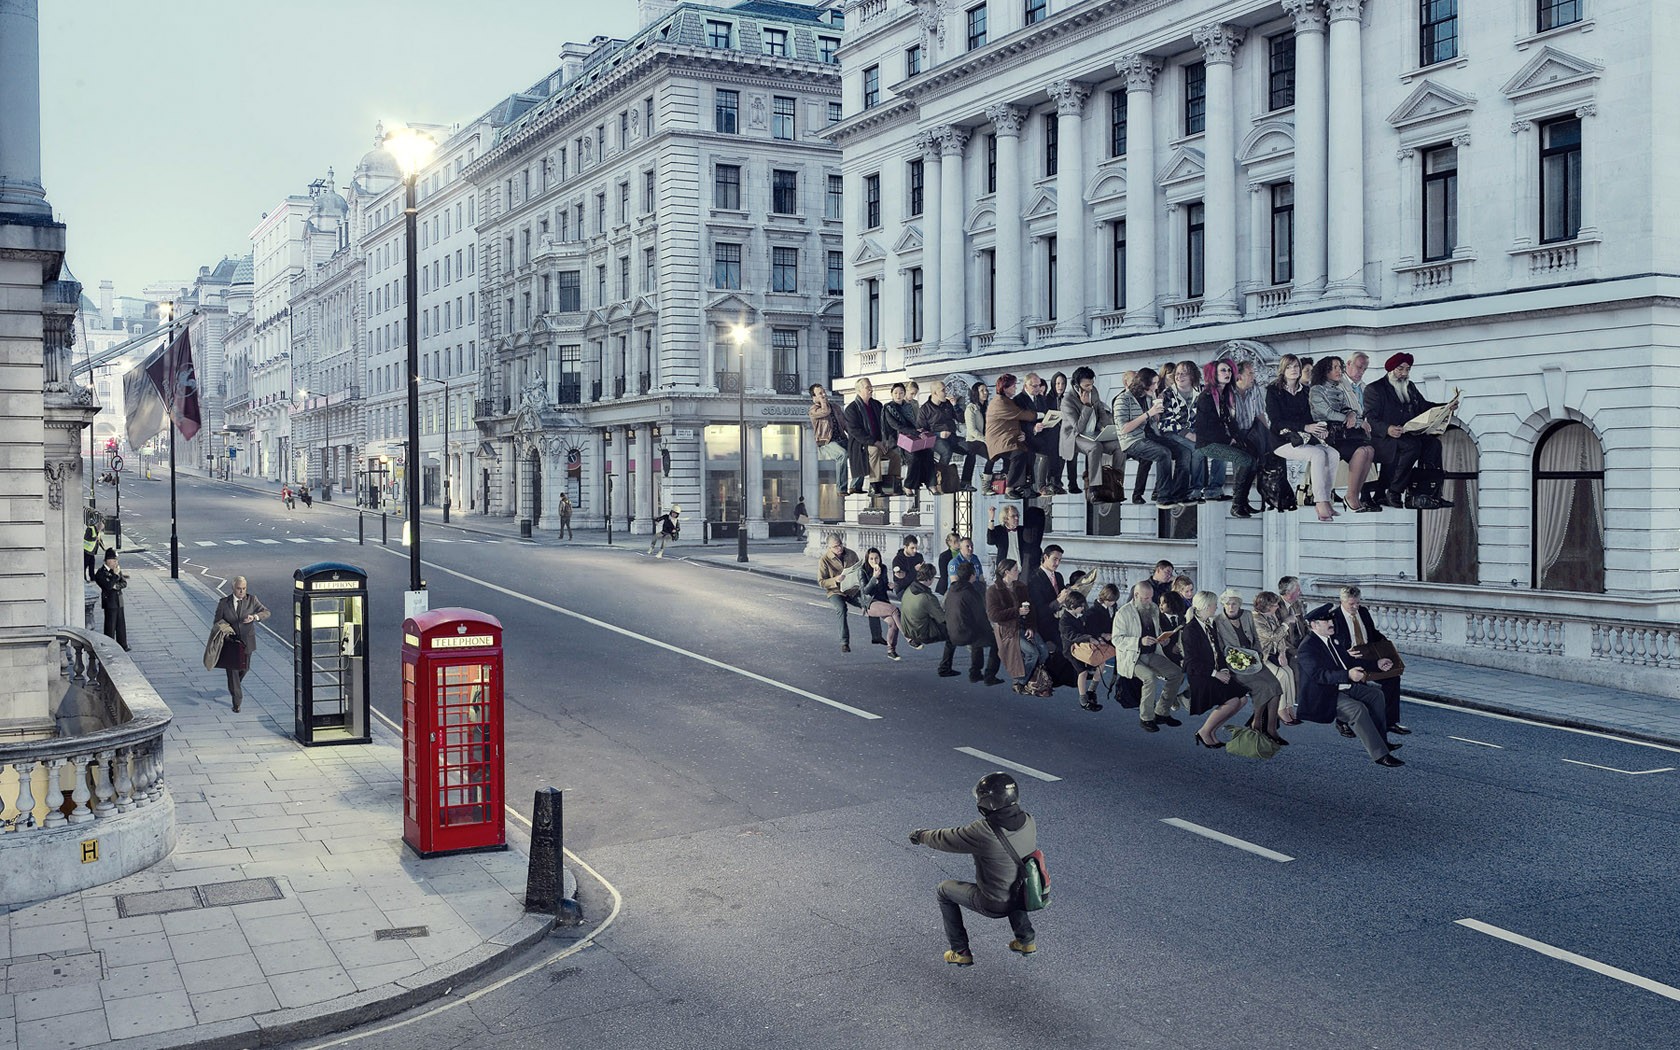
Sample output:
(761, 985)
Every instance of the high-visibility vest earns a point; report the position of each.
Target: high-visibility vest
(90, 541)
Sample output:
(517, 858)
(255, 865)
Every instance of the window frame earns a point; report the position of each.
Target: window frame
(1195, 98)
(916, 302)
(726, 102)
(784, 189)
(1195, 250)
(1284, 212)
(872, 201)
(1118, 262)
(784, 270)
(1447, 180)
(726, 187)
(1280, 71)
(1050, 263)
(834, 197)
(1548, 8)
(775, 42)
(915, 178)
(784, 111)
(835, 281)
(913, 60)
(1034, 11)
(1052, 143)
(1536, 476)
(712, 27)
(871, 87)
(1573, 177)
(828, 50)
(975, 21)
(1119, 126)
(991, 163)
(1438, 36)
(872, 313)
(721, 264)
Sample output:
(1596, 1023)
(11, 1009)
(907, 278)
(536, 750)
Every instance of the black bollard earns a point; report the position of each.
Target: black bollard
(384, 529)
(361, 539)
(545, 879)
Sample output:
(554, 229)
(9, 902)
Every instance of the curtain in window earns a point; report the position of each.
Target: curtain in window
(1449, 537)
(1563, 502)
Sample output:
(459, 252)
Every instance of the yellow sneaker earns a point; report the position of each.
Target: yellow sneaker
(1024, 949)
(956, 958)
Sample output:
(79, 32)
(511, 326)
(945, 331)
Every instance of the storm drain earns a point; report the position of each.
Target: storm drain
(210, 895)
(401, 933)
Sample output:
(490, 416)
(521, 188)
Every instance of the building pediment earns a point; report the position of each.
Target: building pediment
(1106, 186)
(1042, 205)
(1549, 70)
(1272, 138)
(1185, 164)
(730, 303)
(983, 217)
(1430, 101)
(909, 241)
(643, 307)
(868, 250)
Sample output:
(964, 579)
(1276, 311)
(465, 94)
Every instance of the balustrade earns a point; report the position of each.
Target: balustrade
(1515, 633)
(1181, 313)
(1408, 622)
(1639, 645)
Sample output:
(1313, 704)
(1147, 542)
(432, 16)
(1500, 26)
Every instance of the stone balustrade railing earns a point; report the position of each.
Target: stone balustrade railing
(106, 758)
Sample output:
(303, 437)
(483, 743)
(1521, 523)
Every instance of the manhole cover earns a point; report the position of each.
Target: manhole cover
(400, 933)
(156, 902)
(245, 891)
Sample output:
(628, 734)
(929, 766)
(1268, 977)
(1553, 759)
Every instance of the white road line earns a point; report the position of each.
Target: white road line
(1229, 840)
(1645, 983)
(1016, 766)
(204, 543)
(1543, 725)
(235, 543)
(1478, 743)
(1613, 769)
(655, 642)
(296, 539)
(268, 541)
(325, 539)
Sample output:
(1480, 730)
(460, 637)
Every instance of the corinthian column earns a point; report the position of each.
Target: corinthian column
(1347, 155)
(928, 143)
(953, 311)
(1006, 124)
(20, 123)
(1070, 99)
(1311, 149)
(1140, 72)
(1219, 45)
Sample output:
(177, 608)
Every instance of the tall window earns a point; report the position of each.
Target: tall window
(828, 49)
(871, 87)
(1437, 31)
(1440, 203)
(1051, 139)
(836, 354)
(977, 26)
(726, 265)
(623, 202)
(1195, 273)
(1050, 277)
(1195, 98)
(784, 269)
(834, 203)
(647, 192)
(1117, 293)
(1447, 538)
(784, 355)
(650, 271)
(1283, 233)
(872, 313)
(1116, 123)
(775, 43)
(915, 304)
(623, 277)
(871, 202)
(1555, 13)
(1568, 510)
(836, 113)
(725, 111)
(1280, 71)
(836, 273)
(726, 187)
(720, 34)
(1034, 11)
(915, 178)
(991, 163)
(912, 60)
(784, 192)
(1560, 180)
(781, 118)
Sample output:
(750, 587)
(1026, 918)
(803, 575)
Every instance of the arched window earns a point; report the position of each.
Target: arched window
(1447, 539)
(1568, 527)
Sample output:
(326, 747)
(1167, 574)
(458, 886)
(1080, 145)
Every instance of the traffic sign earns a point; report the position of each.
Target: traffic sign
(117, 464)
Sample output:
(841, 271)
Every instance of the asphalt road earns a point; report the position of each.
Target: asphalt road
(757, 835)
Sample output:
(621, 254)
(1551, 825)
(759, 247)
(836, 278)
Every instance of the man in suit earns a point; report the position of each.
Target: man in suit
(112, 580)
(1044, 590)
(1354, 631)
(1330, 689)
(1389, 404)
(242, 611)
(867, 447)
(1136, 655)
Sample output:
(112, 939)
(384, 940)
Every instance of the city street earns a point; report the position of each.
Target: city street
(747, 790)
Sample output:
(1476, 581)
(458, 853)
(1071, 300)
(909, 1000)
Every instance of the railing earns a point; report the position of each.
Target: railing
(1432, 278)
(869, 360)
(867, 11)
(728, 381)
(1637, 645)
(569, 392)
(1553, 259)
(1268, 300)
(1408, 623)
(1110, 321)
(1040, 333)
(984, 340)
(80, 778)
(912, 352)
(787, 382)
(1179, 313)
(483, 408)
(1514, 633)
(644, 382)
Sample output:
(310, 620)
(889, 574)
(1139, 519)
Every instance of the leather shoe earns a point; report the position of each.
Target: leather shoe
(1390, 761)
(1344, 729)
(1394, 745)
(1400, 729)
(949, 673)
(1149, 727)
(994, 680)
(845, 648)
(236, 707)
(1168, 720)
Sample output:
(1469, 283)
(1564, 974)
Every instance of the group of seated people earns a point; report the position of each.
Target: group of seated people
(1186, 423)
(1162, 646)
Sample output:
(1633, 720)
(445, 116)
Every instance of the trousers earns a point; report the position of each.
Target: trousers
(1360, 705)
(1152, 668)
(116, 625)
(954, 896)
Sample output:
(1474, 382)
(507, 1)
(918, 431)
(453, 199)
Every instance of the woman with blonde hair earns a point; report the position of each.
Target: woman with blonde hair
(1214, 689)
(1237, 630)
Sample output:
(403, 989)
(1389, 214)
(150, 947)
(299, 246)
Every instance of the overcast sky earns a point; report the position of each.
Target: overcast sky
(169, 126)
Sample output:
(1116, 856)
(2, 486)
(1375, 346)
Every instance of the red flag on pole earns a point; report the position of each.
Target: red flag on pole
(177, 384)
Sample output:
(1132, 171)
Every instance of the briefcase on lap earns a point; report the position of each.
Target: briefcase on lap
(1376, 651)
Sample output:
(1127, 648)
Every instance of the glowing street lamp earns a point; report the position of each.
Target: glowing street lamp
(740, 333)
(412, 148)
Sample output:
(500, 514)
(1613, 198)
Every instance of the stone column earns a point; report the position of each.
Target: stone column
(932, 262)
(1006, 124)
(591, 515)
(1219, 45)
(20, 125)
(646, 478)
(1311, 150)
(1347, 156)
(953, 306)
(753, 477)
(1070, 99)
(1141, 194)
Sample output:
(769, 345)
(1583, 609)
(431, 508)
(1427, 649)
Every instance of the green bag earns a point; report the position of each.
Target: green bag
(1032, 874)
(1250, 743)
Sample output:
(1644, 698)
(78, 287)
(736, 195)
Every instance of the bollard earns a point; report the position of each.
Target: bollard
(361, 539)
(384, 529)
(545, 879)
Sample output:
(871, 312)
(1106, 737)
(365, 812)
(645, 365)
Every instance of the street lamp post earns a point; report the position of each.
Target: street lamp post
(411, 149)
(445, 456)
(167, 308)
(741, 406)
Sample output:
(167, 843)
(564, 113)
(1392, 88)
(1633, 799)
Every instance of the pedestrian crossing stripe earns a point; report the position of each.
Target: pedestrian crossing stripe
(205, 543)
(236, 543)
(325, 539)
(296, 539)
(269, 541)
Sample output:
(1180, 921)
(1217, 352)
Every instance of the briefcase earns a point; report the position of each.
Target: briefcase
(1383, 650)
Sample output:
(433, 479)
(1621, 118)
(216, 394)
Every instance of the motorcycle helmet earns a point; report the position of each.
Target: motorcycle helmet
(996, 791)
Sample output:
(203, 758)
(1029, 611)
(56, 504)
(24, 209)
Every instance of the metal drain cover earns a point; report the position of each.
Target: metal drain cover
(401, 933)
(157, 902)
(244, 891)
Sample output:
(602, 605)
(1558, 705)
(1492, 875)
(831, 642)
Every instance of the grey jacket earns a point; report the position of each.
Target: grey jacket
(1127, 408)
(1075, 414)
(247, 632)
(994, 868)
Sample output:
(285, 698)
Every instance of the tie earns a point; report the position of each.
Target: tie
(1358, 630)
(1340, 662)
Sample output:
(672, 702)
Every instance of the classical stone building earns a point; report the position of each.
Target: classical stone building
(1038, 185)
(277, 243)
(662, 194)
(327, 351)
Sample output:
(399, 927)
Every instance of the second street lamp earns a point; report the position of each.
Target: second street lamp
(412, 148)
(741, 405)
(444, 457)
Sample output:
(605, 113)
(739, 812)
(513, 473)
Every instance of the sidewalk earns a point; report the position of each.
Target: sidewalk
(1577, 705)
(340, 923)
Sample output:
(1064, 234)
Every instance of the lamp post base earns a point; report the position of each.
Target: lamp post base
(415, 603)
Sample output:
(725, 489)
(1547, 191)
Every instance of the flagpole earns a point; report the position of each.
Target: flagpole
(169, 422)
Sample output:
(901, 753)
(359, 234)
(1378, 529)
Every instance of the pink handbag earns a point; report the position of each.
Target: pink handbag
(915, 444)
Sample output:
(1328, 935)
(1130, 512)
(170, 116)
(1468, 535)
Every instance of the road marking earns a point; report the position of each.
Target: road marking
(204, 543)
(1543, 725)
(1613, 769)
(268, 541)
(296, 539)
(325, 539)
(1016, 766)
(1229, 840)
(1478, 743)
(1626, 977)
(438, 539)
(235, 543)
(655, 642)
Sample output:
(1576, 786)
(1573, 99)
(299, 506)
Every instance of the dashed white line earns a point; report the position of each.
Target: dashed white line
(1613, 769)
(1229, 840)
(236, 543)
(204, 543)
(1478, 743)
(1625, 976)
(1496, 716)
(1007, 764)
(267, 541)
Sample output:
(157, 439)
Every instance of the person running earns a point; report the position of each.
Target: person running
(286, 497)
(996, 890)
(665, 530)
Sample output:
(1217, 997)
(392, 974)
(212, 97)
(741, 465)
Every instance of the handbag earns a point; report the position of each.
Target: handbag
(1092, 654)
(1040, 684)
(1250, 743)
(1033, 874)
(918, 443)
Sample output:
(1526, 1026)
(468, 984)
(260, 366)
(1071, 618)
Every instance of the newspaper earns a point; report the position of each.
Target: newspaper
(1436, 420)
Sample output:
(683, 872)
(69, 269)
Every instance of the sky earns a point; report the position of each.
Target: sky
(169, 126)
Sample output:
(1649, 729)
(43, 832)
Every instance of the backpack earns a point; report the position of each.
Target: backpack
(1032, 880)
(1275, 492)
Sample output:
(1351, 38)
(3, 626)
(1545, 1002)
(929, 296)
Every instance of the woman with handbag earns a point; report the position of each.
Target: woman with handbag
(1299, 437)
(1236, 630)
(1214, 689)
(908, 440)
(877, 604)
(1089, 651)
(1019, 651)
(1329, 402)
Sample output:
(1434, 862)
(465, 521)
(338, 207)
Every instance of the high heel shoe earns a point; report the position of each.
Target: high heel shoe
(1215, 746)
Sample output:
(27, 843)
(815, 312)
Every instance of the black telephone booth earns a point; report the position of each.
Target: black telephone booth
(329, 654)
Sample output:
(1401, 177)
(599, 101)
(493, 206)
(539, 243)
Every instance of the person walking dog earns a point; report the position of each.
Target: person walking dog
(241, 611)
(1004, 833)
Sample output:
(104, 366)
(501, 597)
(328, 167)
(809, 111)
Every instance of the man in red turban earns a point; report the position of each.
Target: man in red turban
(1411, 463)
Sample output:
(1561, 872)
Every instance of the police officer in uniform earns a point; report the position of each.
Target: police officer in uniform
(112, 581)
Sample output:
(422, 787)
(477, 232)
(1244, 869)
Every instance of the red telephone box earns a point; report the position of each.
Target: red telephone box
(453, 797)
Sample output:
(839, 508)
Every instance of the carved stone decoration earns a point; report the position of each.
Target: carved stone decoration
(635, 123)
(927, 143)
(1345, 10)
(1219, 43)
(56, 473)
(1309, 15)
(1070, 96)
(756, 114)
(1140, 72)
(1006, 119)
(957, 386)
(952, 139)
(1264, 357)
(932, 16)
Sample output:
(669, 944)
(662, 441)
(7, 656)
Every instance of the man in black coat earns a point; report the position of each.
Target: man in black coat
(1389, 404)
(966, 623)
(1044, 590)
(1331, 690)
(1354, 632)
(242, 611)
(866, 437)
(112, 580)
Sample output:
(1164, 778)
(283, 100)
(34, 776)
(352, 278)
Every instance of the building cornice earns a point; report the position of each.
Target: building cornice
(898, 111)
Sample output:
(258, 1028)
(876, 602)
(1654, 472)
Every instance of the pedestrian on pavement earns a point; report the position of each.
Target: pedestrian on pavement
(665, 529)
(843, 593)
(286, 496)
(90, 551)
(242, 611)
(566, 518)
(924, 618)
(1332, 690)
(112, 581)
(308, 500)
(996, 890)
(966, 623)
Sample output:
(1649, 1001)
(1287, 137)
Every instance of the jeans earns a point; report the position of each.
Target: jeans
(976, 450)
(1207, 477)
(1170, 486)
(982, 662)
(1240, 461)
(842, 606)
(1033, 654)
(955, 896)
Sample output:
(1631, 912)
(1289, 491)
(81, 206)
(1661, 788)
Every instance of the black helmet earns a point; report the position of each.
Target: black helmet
(996, 791)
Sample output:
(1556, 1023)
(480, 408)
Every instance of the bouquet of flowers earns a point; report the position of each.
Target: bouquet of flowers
(1243, 662)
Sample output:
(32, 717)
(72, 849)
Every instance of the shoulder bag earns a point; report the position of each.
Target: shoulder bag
(1032, 874)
